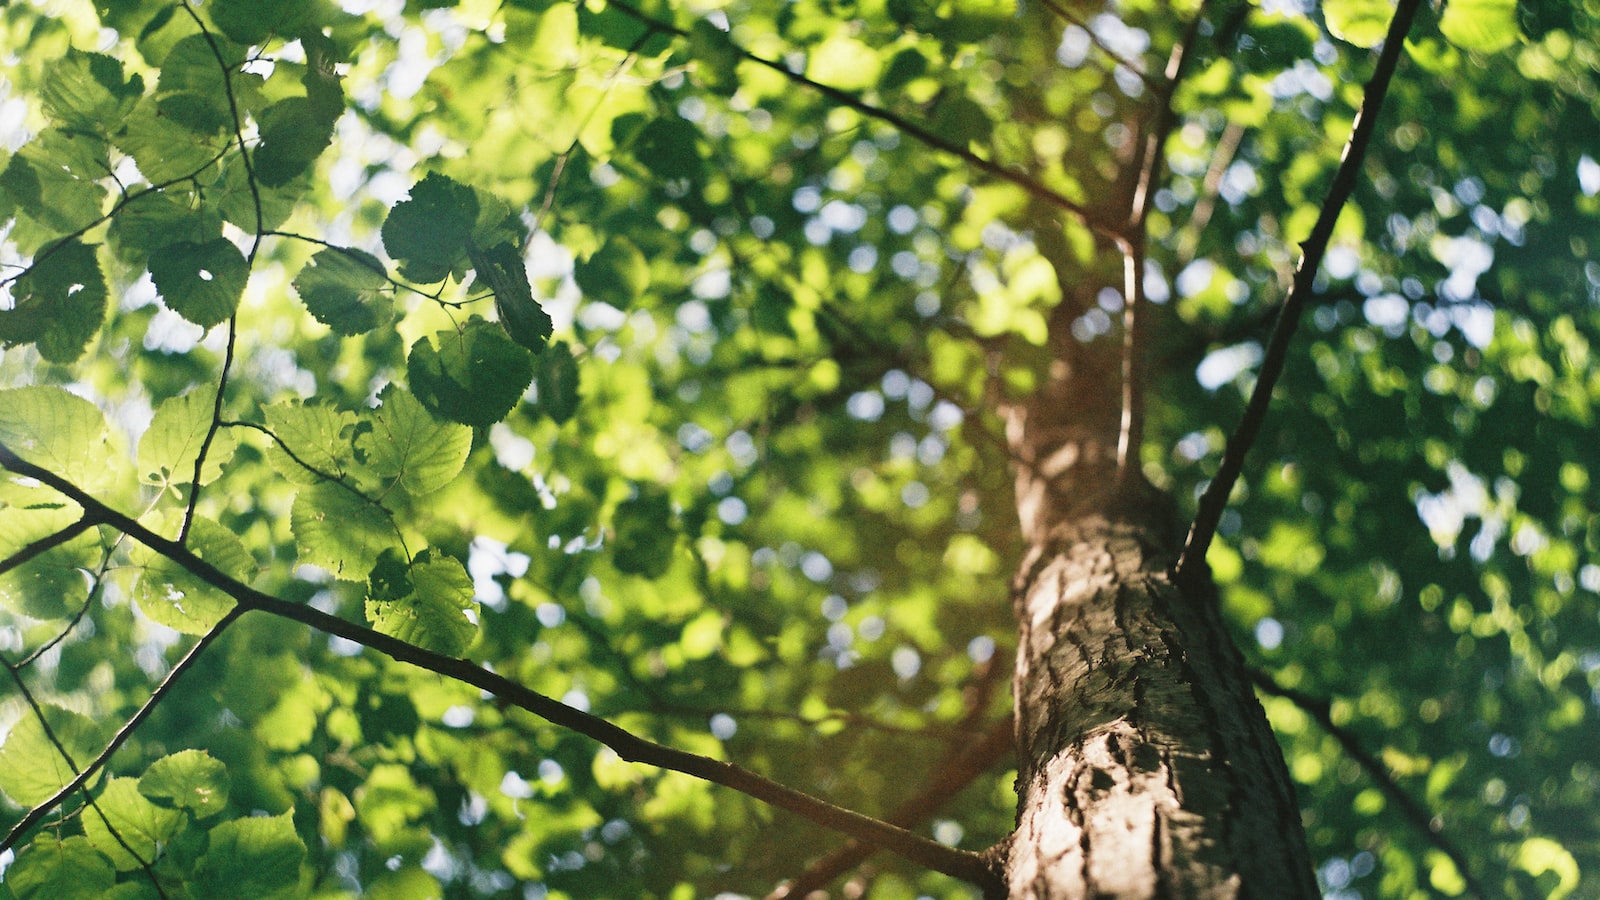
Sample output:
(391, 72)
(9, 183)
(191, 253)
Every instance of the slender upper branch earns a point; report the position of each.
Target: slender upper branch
(1215, 498)
(961, 864)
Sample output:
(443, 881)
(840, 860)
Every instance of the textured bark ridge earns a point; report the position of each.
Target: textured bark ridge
(1146, 767)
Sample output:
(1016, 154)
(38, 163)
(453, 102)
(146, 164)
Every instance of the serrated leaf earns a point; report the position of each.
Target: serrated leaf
(52, 585)
(87, 91)
(170, 446)
(123, 820)
(644, 534)
(258, 857)
(1484, 26)
(503, 270)
(434, 614)
(344, 290)
(408, 444)
(617, 274)
(201, 282)
(60, 304)
(51, 869)
(49, 194)
(60, 431)
(427, 234)
(339, 531)
(310, 434)
(475, 377)
(172, 596)
(294, 132)
(556, 377)
(237, 202)
(32, 768)
(188, 779)
(1359, 22)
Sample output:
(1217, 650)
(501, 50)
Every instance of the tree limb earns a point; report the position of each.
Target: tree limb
(1215, 498)
(961, 864)
(1322, 711)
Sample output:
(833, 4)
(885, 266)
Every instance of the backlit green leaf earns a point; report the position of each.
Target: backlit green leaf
(340, 531)
(127, 827)
(427, 234)
(177, 598)
(434, 615)
(32, 766)
(53, 869)
(170, 446)
(475, 376)
(556, 378)
(345, 290)
(188, 779)
(644, 533)
(408, 444)
(201, 282)
(1360, 22)
(1486, 26)
(256, 857)
(60, 304)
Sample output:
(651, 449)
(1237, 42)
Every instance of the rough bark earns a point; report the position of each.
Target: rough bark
(1146, 767)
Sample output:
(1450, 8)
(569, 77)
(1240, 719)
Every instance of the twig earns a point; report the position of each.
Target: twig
(962, 864)
(1215, 498)
(844, 98)
(1322, 711)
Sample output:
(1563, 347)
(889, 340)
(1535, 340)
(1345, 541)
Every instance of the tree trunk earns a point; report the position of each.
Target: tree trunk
(1146, 767)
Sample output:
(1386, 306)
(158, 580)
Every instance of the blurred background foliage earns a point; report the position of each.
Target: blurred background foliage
(774, 522)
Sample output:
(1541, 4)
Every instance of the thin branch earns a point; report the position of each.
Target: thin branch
(1322, 711)
(905, 126)
(960, 767)
(961, 864)
(1130, 433)
(1215, 498)
(37, 814)
(1118, 60)
(46, 543)
(212, 428)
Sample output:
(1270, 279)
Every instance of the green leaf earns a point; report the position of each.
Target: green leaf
(644, 533)
(158, 219)
(345, 290)
(87, 91)
(201, 282)
(253, 21)
(294, 132)
(669, 148)
(435, 614)
(170, 446)
(51, 585)
(475, 377)
(32, 767)
(59, 431)
(51, 869)
(164, 147)
(390, 578)
(60, 304)
(122, 820)
(237, 201)
(1484, 26)
(42, 188)
(340, 531)
(556, 379)
(503, 270)
(1359, 22)
(172, 596)
(617, 274)
(188, 779)
(310, 434)
(408, 444)
(428, 233)
(258, 857)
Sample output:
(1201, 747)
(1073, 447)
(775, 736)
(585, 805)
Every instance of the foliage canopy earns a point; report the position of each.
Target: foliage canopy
(647, 356)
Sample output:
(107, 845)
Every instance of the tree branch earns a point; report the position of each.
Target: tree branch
(1215, 498)
(1322, 711)
(1033, 186)
(961, 864)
